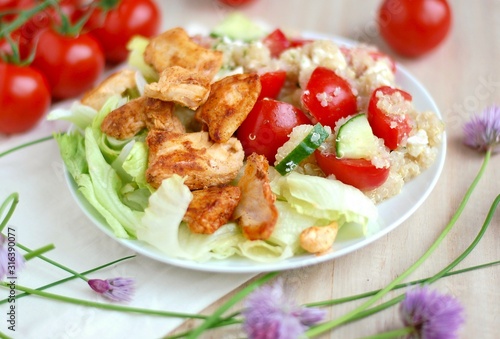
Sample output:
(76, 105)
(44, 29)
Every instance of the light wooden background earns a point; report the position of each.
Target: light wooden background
(463, 76)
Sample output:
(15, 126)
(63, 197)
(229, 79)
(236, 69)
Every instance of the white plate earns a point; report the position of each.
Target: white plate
(392, 212)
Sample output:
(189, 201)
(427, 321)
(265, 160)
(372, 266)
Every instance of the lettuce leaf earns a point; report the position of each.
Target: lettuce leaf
(74, 155)
(160, 224)
(325, 199)
(79, 115)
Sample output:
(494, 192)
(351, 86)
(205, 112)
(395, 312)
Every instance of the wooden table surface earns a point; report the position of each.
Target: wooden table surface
(463, 76)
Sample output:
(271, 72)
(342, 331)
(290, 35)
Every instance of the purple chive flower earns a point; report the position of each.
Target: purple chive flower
(11, 261)
(431, 314)
(117, 289)
(270, 314)
(483, 131)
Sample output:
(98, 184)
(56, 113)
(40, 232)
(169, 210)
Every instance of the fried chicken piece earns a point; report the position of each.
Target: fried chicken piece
(194, 156)
(137, 114)
(228, 105)
(116, 83)
(211, 208)
(319, 239)
(256, 213)
(175, 48)
(185, 87)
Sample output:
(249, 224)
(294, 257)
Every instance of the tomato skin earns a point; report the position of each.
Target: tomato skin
(272, 83)
(24, 98)
(71, 64)
(392, 129)
(236, 3)
(360, 173)
(131, 17)
(267, 127)
(277, 42)
(341, 100)
(414, 27)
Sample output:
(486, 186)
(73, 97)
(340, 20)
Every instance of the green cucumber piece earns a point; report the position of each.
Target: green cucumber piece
(236, 26)
(305, 148)
(355, 139)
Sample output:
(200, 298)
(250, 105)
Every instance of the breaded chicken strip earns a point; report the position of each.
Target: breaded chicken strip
(228, 105)
(211, 208)
(194, 156)
(137, 114)
(185, 87)
(116, 83)
(256, 213)
(175, 48)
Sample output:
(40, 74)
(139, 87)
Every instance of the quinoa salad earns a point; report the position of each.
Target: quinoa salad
(245, 143)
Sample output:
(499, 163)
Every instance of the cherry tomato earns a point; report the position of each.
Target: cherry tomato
(72, 65)
(328, 97)
(277, 42)
(267, 127)
(131, 17)
(360, 173)
(24, 98)
(414, 27)
(272, 83)
(236, 3)
(393, 128)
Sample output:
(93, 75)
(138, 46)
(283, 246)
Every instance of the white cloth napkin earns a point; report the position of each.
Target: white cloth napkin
(48, 214)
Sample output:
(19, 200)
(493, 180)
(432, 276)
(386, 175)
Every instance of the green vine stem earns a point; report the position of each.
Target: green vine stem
(55, 263)
(38, 252)
(58, 282)
(111, 307)
(26, 145)
(13, 200)
(316, 330)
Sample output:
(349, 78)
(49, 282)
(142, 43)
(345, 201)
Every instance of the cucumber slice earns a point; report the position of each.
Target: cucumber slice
(315, 136)
(236, 26)
(355, 139)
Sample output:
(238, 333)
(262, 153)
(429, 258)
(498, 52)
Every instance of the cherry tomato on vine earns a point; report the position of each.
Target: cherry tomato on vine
(328, 97)
(115, 28)
(393, 128)
(414, 27)
(267, 127)
(71, 64)
(360, 173)
(24, 98)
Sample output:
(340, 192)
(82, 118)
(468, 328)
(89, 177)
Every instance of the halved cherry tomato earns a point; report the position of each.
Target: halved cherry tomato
(272, 83)
(328, 97)
(71, 64)
(277, 42)
(24, 98)
(414, 27)
(267, 127)
(393, 128)
(115, 28)
(360, 173)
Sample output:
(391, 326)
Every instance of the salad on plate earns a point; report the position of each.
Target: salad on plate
(245, 143)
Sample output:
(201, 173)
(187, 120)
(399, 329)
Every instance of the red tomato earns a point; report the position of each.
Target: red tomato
(277, 42)
(24, 98)
(393, 128)
(71, 64)
(360, 173)
(235, 3)
(131, 17)
(267, 127)
(272, 83)
(414, 27)
(328, 97)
